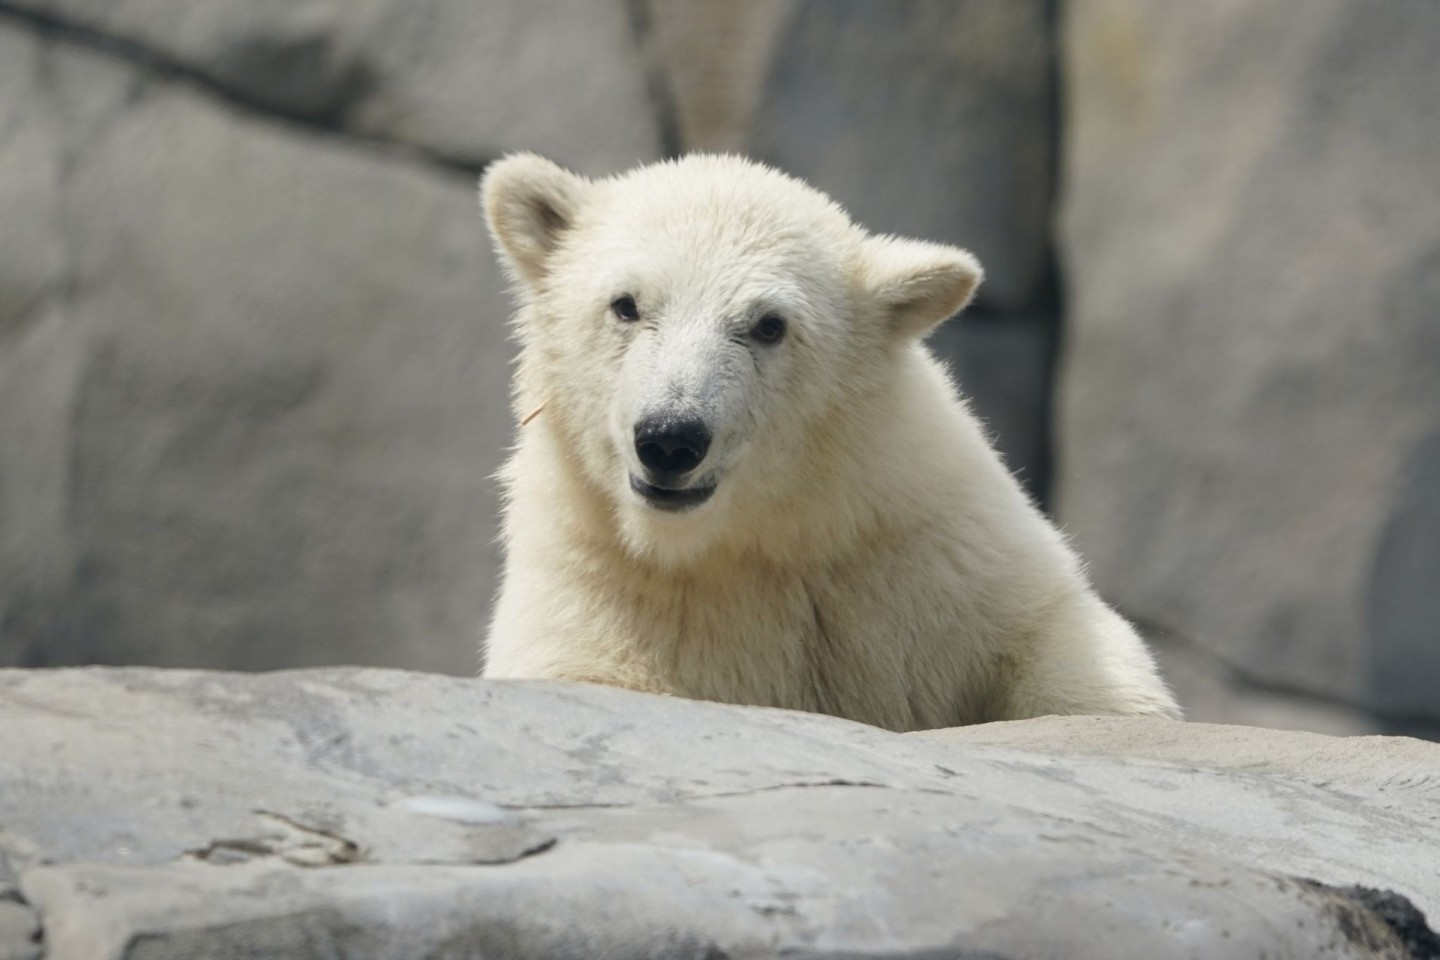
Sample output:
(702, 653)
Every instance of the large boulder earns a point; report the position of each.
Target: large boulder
(374, 814)
(253, 384)
(459, 81)
(1250, 419)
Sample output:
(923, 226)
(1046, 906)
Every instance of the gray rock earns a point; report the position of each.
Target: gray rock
(1214, 692)
(711, 63)
(462, 81)
(39, 355)
(1249, 421)
(19, 932)
(925, 118)
(376, 814)
(253, 412)
(19, 926)
(1004, 365)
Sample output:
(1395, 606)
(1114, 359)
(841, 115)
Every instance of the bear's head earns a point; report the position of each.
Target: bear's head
(706, 337)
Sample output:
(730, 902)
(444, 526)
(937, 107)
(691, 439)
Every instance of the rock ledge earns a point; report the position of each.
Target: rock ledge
(379, 814)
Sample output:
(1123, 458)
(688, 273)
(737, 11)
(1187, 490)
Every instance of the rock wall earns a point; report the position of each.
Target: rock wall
(1250, 415)
(253, 360)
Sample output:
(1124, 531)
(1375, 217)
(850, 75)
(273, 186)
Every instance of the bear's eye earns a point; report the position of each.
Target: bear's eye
(769, 329)
(625, 308)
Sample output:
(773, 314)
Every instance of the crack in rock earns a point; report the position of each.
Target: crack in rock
(295, 843)
(721, 794)
(325, 117)
(22, 936)
(22, 932)
(1395, 911)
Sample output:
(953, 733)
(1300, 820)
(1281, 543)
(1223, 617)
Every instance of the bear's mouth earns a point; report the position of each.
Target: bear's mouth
(669, 498)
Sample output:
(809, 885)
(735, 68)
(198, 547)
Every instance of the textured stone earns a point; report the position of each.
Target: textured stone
(465, 81)
(1249, 421)
(926, 118)
(19, 932)
(428, 806)
(39, 355)
(712, 60)
(1004, 366)
(1214, 692)
(254, 412)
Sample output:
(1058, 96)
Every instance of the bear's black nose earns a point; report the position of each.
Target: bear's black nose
(670, 448)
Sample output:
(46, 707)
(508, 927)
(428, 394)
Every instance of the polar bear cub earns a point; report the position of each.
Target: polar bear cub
(743, 477)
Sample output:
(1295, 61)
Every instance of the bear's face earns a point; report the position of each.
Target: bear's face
(695, 328)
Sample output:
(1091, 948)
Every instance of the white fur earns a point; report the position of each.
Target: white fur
(865, 553)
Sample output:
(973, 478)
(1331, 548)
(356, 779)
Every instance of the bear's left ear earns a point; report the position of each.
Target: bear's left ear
(529, 204)
(919, 284)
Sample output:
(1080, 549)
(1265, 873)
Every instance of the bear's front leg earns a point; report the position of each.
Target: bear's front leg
(1090, 662)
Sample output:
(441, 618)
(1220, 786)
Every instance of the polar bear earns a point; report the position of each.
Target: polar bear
(741, 476)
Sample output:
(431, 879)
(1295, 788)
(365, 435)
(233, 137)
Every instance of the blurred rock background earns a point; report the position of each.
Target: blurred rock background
(253, 353)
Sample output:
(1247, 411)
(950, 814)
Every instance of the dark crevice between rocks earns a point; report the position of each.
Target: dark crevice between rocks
(326, 115)
(721, 795)
(15, 323)
(1393, 911)
(1034, 320)
(22, 930)
(299, 844)
(920, 954)
(1050, 296)
(657, 83)
(1395, 723)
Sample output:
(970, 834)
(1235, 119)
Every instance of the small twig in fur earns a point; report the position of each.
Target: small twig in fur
(532, 415)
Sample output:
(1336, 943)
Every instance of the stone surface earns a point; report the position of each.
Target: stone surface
(926, 118)
(462, 81)
(711, 61)
(1004, 365)
(1214, 692)
(377, 814)
(19, 932)
(255, 385)
(39, 349)
(1249, 421)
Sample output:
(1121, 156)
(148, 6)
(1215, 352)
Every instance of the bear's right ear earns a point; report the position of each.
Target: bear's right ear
(529, 203)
